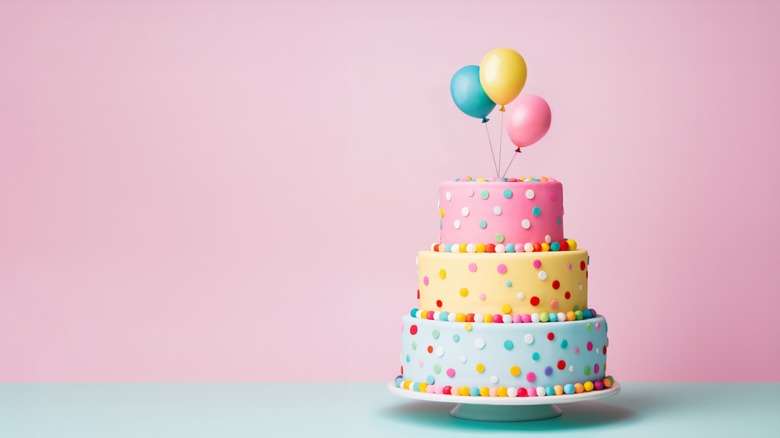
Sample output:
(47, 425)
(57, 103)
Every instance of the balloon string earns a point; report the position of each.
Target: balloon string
(517, 151)
(501, 137)
(492, 154)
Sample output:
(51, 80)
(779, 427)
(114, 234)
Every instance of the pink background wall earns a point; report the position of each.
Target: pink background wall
(229, 191)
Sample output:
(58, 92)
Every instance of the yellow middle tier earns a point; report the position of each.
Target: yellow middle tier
(503, 283)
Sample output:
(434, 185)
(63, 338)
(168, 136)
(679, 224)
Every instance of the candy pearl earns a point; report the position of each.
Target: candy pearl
(511, 392)
(568, 388)
(479, 317)
(500, 248)
(527, 318)
(588, 386)
(517, 319)
(471, 248)
(510, 247)
(598, 385)
(507, 319)
(528, 247)
(541, 391)
(535, 317)
(498, 318)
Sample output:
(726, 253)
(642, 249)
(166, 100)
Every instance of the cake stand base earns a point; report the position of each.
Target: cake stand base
(505, 413)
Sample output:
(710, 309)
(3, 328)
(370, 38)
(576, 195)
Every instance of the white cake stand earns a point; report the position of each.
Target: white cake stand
(505, 408)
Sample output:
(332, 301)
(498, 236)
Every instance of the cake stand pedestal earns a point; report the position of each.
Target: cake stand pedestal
(505, 408)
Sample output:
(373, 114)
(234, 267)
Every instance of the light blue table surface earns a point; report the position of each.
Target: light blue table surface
(367, 409)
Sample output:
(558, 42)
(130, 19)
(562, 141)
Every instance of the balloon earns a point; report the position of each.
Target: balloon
(468, 94)
(502, 75)
(528, 120)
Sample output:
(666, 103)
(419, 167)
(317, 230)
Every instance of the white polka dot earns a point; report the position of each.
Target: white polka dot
(526, 224)
(440, 351)
(500, 248)
(511, 391)
(571, 368)
(465, 211)
(497, 210)
(493, 379)
(456, 224)
(598, 350)
(580, 286)
(529, 339)
(479, 343)
(470, 193)
(548, 239)
(529, 194)
(438, 204)
(542, 275)
(520, 296)
(448, 196)
(462, 359)
(472, 248)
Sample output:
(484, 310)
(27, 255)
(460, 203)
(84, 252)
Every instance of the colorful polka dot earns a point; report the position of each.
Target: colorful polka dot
(484, 194)
(506, 308)
(499, 238)
(535, 301)
(515, 370)
(507, 193)
(437, 368)
(561, 364)
(442, 274)
(501, 268)
(464, 292)
(550, 336)
(564, 343)
(548, 371)
(413, 329)
(472, 267)
(435, 334)
(537, 211)
(425, 280)
(456, 337)
(535, 356)
(537, 264)
(480, 368)
(483, 224)
(531, 377)
(451, 372)
(590, 346)
(509, 344)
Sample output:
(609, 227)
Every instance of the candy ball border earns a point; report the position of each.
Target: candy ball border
(572, 315)
(502, 391)
(500, 248)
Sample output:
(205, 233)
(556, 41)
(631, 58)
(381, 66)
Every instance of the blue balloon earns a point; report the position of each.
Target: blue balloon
(467, 92)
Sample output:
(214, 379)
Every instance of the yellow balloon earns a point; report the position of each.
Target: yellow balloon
(502, 75)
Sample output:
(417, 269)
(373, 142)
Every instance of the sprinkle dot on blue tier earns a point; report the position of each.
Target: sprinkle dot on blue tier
(408, 359)
(435, 334)
(507, 193)
(564, 343)
(536, 211)
(430, 380)
(548, 371)
(509, 344)
(587, 370)
(437, 368)
(456, 337)
(534, 356)
(414, 345)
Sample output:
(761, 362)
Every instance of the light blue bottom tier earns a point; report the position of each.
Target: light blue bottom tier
(493, 356)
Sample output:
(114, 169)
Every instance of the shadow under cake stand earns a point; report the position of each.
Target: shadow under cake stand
(505, 408)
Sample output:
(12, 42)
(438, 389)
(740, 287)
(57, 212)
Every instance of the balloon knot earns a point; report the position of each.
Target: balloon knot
(502, 108)
(485, 120)
(517, 151)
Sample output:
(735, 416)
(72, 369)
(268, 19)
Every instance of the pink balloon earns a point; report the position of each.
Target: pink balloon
(528, 120)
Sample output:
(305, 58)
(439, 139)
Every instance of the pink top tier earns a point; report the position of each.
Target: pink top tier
(511, 211)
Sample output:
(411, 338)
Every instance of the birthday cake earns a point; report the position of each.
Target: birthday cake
(503, 298)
